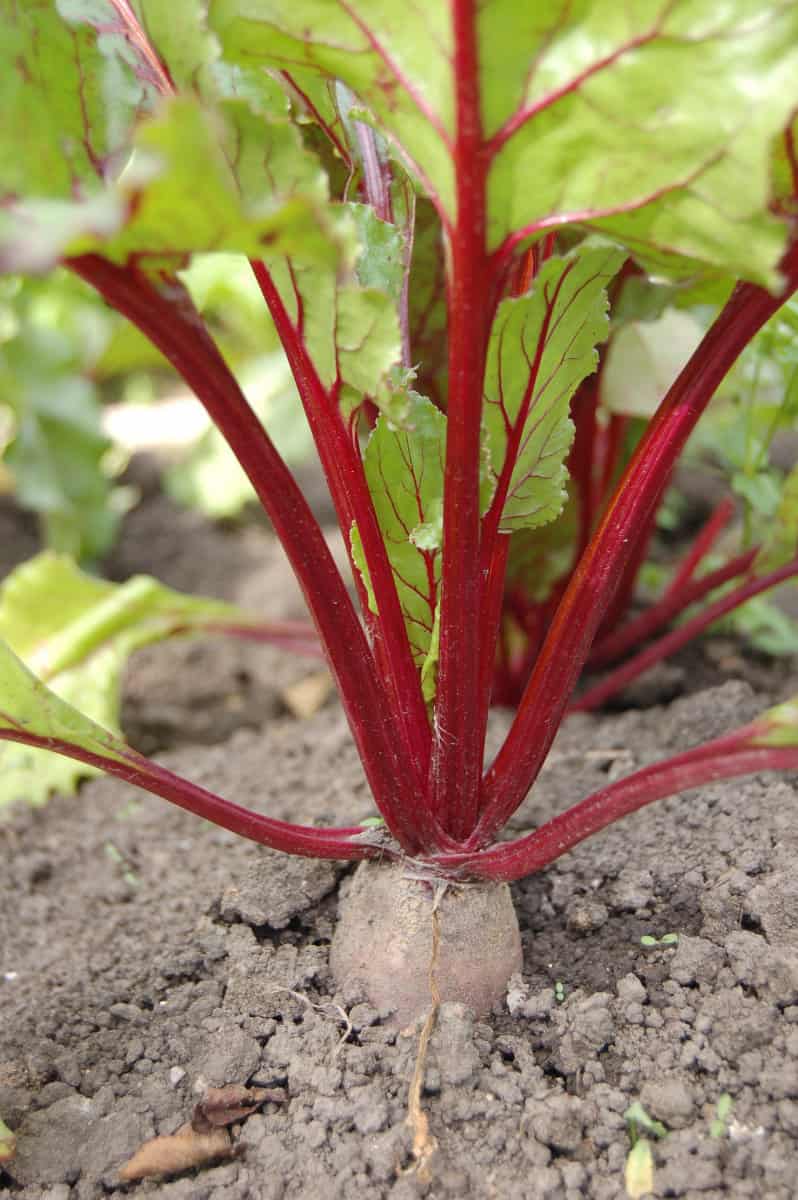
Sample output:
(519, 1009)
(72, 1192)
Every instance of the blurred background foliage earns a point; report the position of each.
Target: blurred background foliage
(81, 389)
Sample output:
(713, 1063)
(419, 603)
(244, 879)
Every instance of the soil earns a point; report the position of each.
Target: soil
(147, 955)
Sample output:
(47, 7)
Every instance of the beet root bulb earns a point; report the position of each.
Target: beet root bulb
(383, 942)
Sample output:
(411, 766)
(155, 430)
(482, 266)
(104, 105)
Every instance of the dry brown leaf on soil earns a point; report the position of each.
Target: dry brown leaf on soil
(176, 1152)
(226, 1105)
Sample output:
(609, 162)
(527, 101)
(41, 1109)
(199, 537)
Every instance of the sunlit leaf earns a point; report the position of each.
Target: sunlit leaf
(78, 647)
(652, 120)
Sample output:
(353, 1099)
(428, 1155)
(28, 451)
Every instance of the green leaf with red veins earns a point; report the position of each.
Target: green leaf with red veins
(156, 211)
(177, 30)
(67, 107)
(229, 173)
(78, 647)
(542, 345)
(348, 318)
(404, 470)
(397, 57)
(654, 120)
(427, 313)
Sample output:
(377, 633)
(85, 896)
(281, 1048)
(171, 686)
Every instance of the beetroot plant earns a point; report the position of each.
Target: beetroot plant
(452, 212)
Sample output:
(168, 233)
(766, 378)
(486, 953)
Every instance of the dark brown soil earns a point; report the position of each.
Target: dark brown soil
(146, 954)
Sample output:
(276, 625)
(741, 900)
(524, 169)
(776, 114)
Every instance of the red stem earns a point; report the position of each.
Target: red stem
(613, 444)
(624, 588)
(457, 764)
(725, 758)
(614, 645)
(580, 460)
(701, 546)
(300, 637)
(278, 835)
(376, 179)
(171, 323)
(628, 517)
(343, 469)
(665, 646)
(493, 595)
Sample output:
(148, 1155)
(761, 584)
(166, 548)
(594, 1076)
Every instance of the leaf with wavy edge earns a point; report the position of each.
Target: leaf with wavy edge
(542, 346)
(404, 470)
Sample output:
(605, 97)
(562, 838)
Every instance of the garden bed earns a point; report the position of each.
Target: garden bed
(147, 954)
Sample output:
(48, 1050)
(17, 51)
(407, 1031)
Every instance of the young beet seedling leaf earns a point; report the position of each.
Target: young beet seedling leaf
(8, 1143)
(79, 647)
(638, 1173)
(723, 1109)
(639, 1170)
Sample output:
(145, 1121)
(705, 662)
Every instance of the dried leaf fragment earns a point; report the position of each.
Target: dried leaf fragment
(177, 1152)
(226, 1105)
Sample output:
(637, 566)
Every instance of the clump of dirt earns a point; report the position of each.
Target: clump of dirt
(147, 956)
